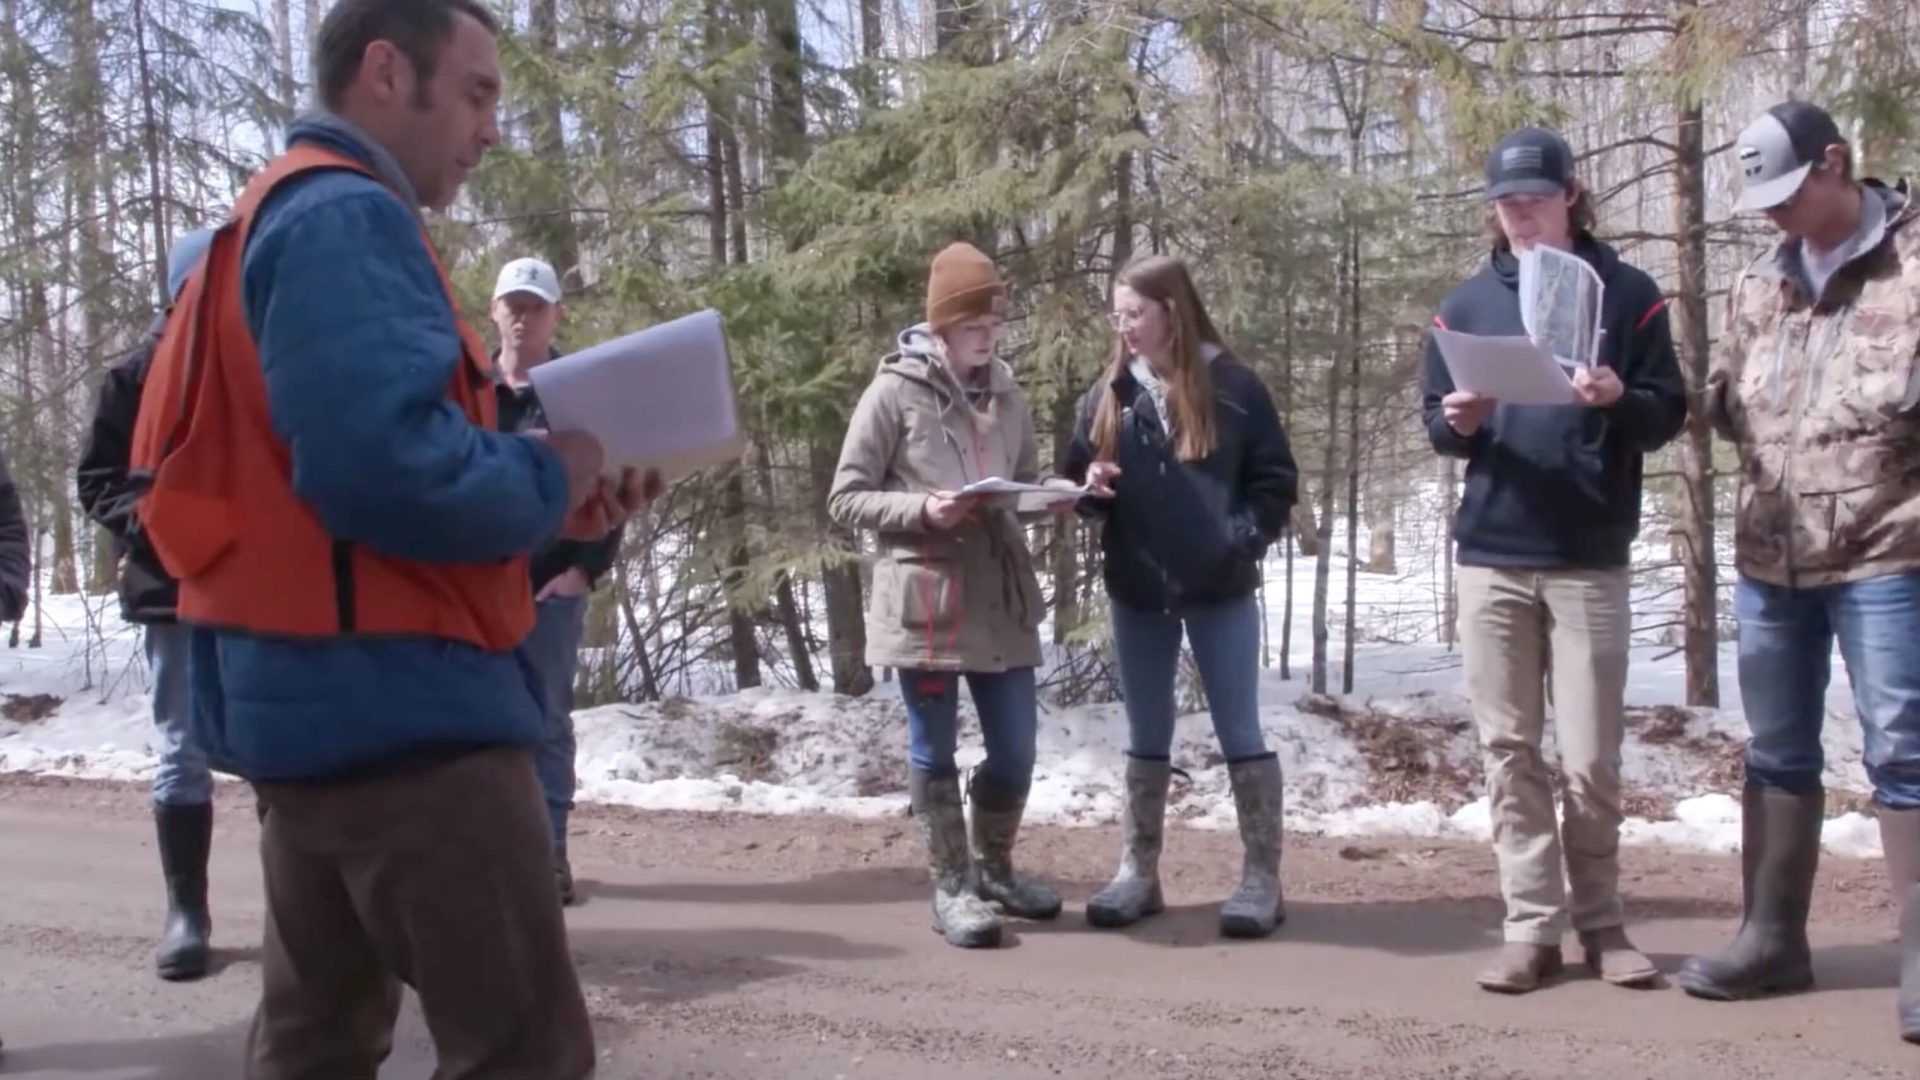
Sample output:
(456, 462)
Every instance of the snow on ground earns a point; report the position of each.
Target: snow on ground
(1397, 757)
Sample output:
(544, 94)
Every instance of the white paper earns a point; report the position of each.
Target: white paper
(662, 398)
(1022, 498)
(1512, 370)
(994, 485)
(1560, 304)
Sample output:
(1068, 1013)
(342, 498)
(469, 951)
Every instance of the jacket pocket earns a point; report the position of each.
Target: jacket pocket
(1860, 500)
(928, 590)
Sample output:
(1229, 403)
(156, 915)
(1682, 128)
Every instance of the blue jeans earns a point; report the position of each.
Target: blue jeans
(554, 650)
(1226, 649)
(182, 778)
(1786, 648)
(1008, 704)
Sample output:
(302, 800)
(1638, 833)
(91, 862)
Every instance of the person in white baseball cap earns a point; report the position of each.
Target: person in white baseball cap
(527, 313)
(1813, 384)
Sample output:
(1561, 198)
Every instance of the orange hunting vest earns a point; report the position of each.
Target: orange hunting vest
(220, 507)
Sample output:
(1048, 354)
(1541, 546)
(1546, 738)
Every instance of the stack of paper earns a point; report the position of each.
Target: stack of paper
(660, 399)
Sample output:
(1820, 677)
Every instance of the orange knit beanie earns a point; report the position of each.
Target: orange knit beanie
(963, 284)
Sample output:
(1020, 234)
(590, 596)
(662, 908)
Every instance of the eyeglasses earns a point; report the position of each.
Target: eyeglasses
(1131, 317)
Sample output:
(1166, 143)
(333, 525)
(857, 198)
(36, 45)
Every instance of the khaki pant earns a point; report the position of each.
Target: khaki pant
(440, 878)
(1523, 632)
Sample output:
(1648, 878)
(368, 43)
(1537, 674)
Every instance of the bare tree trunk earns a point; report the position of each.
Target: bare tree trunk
(846, 616)
(553, 233)
(1701, 643)
(96, 272)
(722, 185)
(151, 132)
(1286, 534)
(649, 682)
(1354, 329)
(1323, 566)
(285, 77)
(786, 608)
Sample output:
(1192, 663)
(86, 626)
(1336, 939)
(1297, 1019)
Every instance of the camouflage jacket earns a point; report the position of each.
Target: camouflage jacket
(1819, 398)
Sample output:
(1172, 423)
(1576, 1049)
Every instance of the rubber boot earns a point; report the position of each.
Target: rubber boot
(1900, 836)
(1134, 893)
(959, 914)
(563, 876)
(1256, 907)
(186, 839)
(997, 811)
(1780, 831)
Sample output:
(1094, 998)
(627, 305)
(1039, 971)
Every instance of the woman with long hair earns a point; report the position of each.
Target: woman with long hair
(1185, 459)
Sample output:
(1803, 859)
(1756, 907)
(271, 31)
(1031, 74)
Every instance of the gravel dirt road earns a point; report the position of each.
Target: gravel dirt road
(736, 947)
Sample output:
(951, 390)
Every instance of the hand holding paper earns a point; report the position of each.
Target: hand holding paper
(1466, 411)
(1598, 386)
(659, 399)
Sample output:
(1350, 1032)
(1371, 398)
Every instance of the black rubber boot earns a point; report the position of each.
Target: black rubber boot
(563, 878)
(1780, 841)
(186, 839)
(1900, 836)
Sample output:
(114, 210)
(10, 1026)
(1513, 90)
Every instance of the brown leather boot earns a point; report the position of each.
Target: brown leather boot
(1611, 955)
(1520, 968)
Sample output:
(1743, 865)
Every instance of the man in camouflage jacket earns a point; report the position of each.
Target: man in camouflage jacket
(1815, 383)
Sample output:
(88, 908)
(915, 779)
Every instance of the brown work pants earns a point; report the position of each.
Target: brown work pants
(440, 878)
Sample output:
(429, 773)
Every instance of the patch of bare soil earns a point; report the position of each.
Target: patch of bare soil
(29, 708)
(1407, 754)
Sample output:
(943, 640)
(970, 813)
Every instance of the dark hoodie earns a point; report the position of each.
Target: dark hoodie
(1558, 486)
(520, 411)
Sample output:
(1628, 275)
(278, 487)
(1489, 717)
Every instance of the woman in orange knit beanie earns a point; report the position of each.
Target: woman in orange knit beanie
(954, 589)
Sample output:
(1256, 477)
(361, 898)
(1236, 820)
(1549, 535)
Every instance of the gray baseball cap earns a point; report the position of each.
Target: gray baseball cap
(1777, 151)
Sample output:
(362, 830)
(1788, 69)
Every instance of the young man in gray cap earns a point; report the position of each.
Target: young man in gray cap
(526, 312)
(1814, 382)
(1544, 536)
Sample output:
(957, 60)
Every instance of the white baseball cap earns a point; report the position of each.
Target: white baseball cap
(1778, 150)
(528, 276)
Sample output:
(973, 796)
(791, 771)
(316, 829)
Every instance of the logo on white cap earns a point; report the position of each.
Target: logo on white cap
(528, 276)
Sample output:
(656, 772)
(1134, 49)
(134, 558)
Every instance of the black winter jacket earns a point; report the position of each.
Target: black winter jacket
(520, 411)
(16, 550)
(1558, 486)
(147, 594)
(1183, 534)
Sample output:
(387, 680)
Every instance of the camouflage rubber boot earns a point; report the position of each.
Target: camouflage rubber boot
(1134, 893)
(958, 914)
(996, 821)
(1257, 906)
(1780, 840)
(1900, 836)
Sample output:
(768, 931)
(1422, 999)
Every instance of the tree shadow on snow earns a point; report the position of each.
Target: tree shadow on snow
(667, 966)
